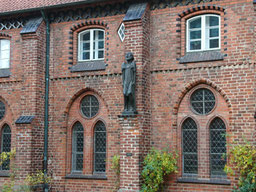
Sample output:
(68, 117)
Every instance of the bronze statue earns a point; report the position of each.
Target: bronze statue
(129, 82)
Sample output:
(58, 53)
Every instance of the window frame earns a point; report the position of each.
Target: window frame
(203, 33)
(94, 147)
(5, 126)
(73, 151)
(211, 122)
(91, 31)
(9, 53)
(182, 144)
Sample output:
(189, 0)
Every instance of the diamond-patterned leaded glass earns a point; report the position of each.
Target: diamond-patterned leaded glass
(6, 145)
(100, 136)
(2, 109)
(202, 101)
(217, 146)
(189, 141)
(77, 147)
(90, 106)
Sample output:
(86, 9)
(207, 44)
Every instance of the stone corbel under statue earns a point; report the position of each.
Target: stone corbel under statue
(129, 84)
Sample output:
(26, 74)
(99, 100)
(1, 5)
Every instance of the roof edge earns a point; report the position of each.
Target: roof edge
(50, 7)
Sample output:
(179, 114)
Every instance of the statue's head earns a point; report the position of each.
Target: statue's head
(129, 56)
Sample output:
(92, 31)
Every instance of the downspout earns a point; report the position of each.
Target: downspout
(46, 105)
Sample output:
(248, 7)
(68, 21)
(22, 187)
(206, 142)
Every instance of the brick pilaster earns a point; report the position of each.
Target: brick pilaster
(135, 130)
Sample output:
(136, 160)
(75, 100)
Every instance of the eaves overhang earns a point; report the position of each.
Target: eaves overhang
(12, 12)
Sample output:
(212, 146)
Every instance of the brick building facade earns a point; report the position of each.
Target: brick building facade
(195, 82)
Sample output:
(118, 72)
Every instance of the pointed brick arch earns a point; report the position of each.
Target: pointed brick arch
(80, 92)
(191, 85)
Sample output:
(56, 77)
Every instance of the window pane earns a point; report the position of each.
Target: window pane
(86, 55)
(195, 45)
(79, 162)
(214, 21)
(217, 146)
(195, 34)
(214, 43)
(101, 35)
(189, 142)
(4, 63)
(6, 145)
(195, 23)
(100, 54)
(86, 46)
(214, 32)
(5, 44)
(77, 147)
(100, 147)
(89, 106)
(2, 109)
(101, 45)
(202, 101)
(86, 36)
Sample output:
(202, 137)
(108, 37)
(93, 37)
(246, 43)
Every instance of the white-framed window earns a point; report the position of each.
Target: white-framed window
(203, 33)
(91, 45)
(4, 53)
(121, 32)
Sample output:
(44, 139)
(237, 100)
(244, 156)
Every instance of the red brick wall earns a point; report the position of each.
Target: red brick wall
(163, 89)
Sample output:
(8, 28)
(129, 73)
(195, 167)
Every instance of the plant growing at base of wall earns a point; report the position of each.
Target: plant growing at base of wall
(156, 165)
(31, 181)
(243, 159)
(116, 167)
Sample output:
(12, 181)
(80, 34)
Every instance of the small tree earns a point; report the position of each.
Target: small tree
(243, 159)
(156, 165)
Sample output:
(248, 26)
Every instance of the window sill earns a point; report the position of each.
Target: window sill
(4, 173)
(214, 181)
(5, 72)
(201, 56)
(89, 66)
(81, 176)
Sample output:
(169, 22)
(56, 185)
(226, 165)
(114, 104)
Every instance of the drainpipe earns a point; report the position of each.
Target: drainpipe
(46, 105)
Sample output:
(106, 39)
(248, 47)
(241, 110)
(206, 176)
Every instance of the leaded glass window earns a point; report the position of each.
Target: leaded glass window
(2, 109)
(89, 106)
(189, 141)
(77, 147)
(6, 145)
(217, 146)
(100, 137)
(202, 101)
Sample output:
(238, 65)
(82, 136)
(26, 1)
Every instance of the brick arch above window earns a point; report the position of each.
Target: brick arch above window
(5, 36)
(82, 92)
(92, 24)
(195, 83)
(201, 9)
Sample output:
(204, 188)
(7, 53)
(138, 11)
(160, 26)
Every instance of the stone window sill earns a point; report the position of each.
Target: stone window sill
(89, 66)
(214, 181)
(5, 72)
(92, 177)
(4, 173)
(200, 56)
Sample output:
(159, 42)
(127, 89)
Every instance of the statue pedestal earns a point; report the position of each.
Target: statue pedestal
(130, 137)
(129, 113)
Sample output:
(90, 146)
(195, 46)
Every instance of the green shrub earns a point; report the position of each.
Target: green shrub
(243, 159)
(156, 165)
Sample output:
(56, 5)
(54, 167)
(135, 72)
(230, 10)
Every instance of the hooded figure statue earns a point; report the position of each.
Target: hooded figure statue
(129, 82)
